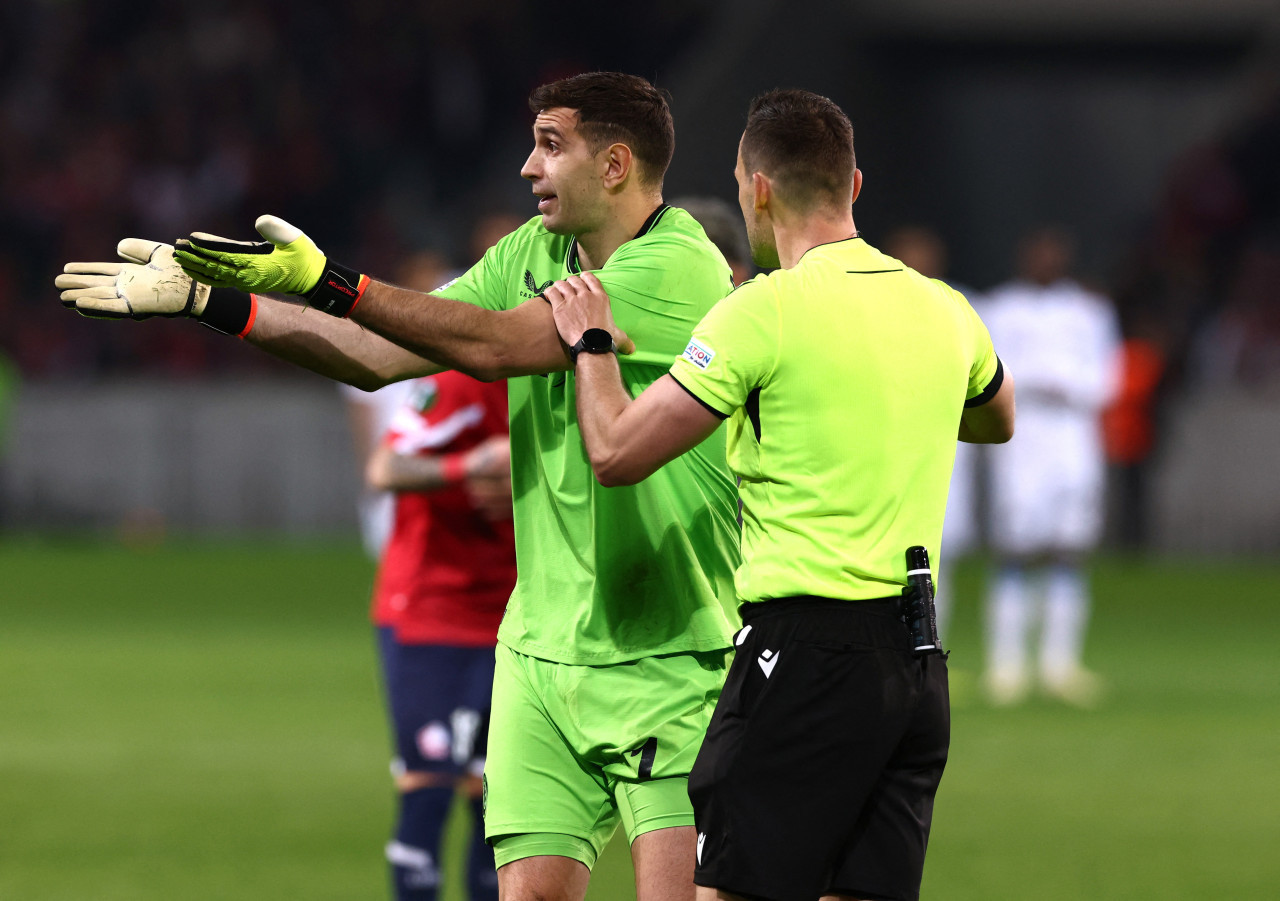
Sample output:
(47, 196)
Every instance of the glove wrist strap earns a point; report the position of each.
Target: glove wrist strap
(230, 312)
(338, 291)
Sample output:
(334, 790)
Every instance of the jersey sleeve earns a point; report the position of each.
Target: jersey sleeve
(659, 288)
(986, 372)
(733, 350)
(486, 284)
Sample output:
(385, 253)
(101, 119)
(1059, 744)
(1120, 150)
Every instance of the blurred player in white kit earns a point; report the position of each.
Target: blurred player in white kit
(1047, 486)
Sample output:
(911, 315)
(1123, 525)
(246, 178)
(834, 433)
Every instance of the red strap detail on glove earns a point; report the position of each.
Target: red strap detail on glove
(360, 289)
(253, 317)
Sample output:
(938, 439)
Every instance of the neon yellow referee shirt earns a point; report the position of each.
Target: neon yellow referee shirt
(844, 379)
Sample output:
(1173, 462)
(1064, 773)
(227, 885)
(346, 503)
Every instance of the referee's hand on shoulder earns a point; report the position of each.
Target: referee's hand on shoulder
(578, 303)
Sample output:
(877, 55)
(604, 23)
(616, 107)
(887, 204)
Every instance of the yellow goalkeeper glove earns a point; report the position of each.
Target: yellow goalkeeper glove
(287, 262)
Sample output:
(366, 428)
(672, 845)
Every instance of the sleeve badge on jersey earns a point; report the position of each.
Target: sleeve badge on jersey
(698, 354)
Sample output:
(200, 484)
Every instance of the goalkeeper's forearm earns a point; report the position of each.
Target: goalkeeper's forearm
(485, 344)
(335, 348)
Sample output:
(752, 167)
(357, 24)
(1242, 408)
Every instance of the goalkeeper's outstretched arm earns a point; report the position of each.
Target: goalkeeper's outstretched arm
(485, 344)
(430, 333)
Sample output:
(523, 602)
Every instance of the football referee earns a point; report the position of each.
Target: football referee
(846, 378)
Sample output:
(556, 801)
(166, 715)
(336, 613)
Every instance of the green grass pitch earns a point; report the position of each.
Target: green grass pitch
(205, 722)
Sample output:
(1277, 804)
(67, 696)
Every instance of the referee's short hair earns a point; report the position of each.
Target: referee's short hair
(614, 107)
(804, 143)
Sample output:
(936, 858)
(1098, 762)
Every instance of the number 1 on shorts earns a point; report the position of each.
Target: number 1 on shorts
(647, 752)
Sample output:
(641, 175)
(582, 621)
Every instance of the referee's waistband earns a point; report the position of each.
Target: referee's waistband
(806, 603)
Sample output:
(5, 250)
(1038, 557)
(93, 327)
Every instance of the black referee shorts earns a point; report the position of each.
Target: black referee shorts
(820, 766)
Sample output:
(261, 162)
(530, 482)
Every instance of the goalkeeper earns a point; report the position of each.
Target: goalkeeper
(613, 648)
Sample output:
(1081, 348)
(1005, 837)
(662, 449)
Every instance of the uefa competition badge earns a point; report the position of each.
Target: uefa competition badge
(699, 355)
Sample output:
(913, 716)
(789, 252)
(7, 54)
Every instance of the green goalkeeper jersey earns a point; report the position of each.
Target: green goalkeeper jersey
(608, 575)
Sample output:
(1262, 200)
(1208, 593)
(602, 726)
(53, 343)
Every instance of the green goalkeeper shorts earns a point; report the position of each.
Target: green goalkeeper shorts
(574, 750)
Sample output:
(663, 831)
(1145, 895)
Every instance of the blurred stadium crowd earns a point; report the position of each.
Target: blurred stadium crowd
(152, 118)
(1204, 280)
(147, 118)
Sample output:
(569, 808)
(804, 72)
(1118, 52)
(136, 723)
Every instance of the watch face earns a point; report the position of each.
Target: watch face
(597, 340)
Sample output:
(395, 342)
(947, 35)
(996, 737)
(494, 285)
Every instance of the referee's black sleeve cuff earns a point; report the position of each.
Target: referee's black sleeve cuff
(710, 409)
(992, 387)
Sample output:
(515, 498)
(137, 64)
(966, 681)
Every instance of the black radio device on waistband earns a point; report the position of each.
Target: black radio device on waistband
(917, 607)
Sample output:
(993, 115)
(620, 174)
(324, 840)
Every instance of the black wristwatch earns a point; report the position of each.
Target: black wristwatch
(593, 341)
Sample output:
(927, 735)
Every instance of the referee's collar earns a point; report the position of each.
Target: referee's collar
(856, 236)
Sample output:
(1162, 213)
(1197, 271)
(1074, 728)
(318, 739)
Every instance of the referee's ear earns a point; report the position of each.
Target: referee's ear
(761, 191)
(857, 186)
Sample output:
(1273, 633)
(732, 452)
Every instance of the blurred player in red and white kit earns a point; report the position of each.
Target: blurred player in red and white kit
(1047, 484)
(443, 584)
(369, 412)
(368, 415)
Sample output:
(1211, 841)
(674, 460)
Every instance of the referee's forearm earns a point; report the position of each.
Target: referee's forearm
(602, 399)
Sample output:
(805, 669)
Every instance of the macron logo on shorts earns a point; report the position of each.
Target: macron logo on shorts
(698, 355)
(702, 840)
(768, 660)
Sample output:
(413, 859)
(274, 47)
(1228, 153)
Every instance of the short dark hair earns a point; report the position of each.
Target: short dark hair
(614, 107)
(804, 143)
